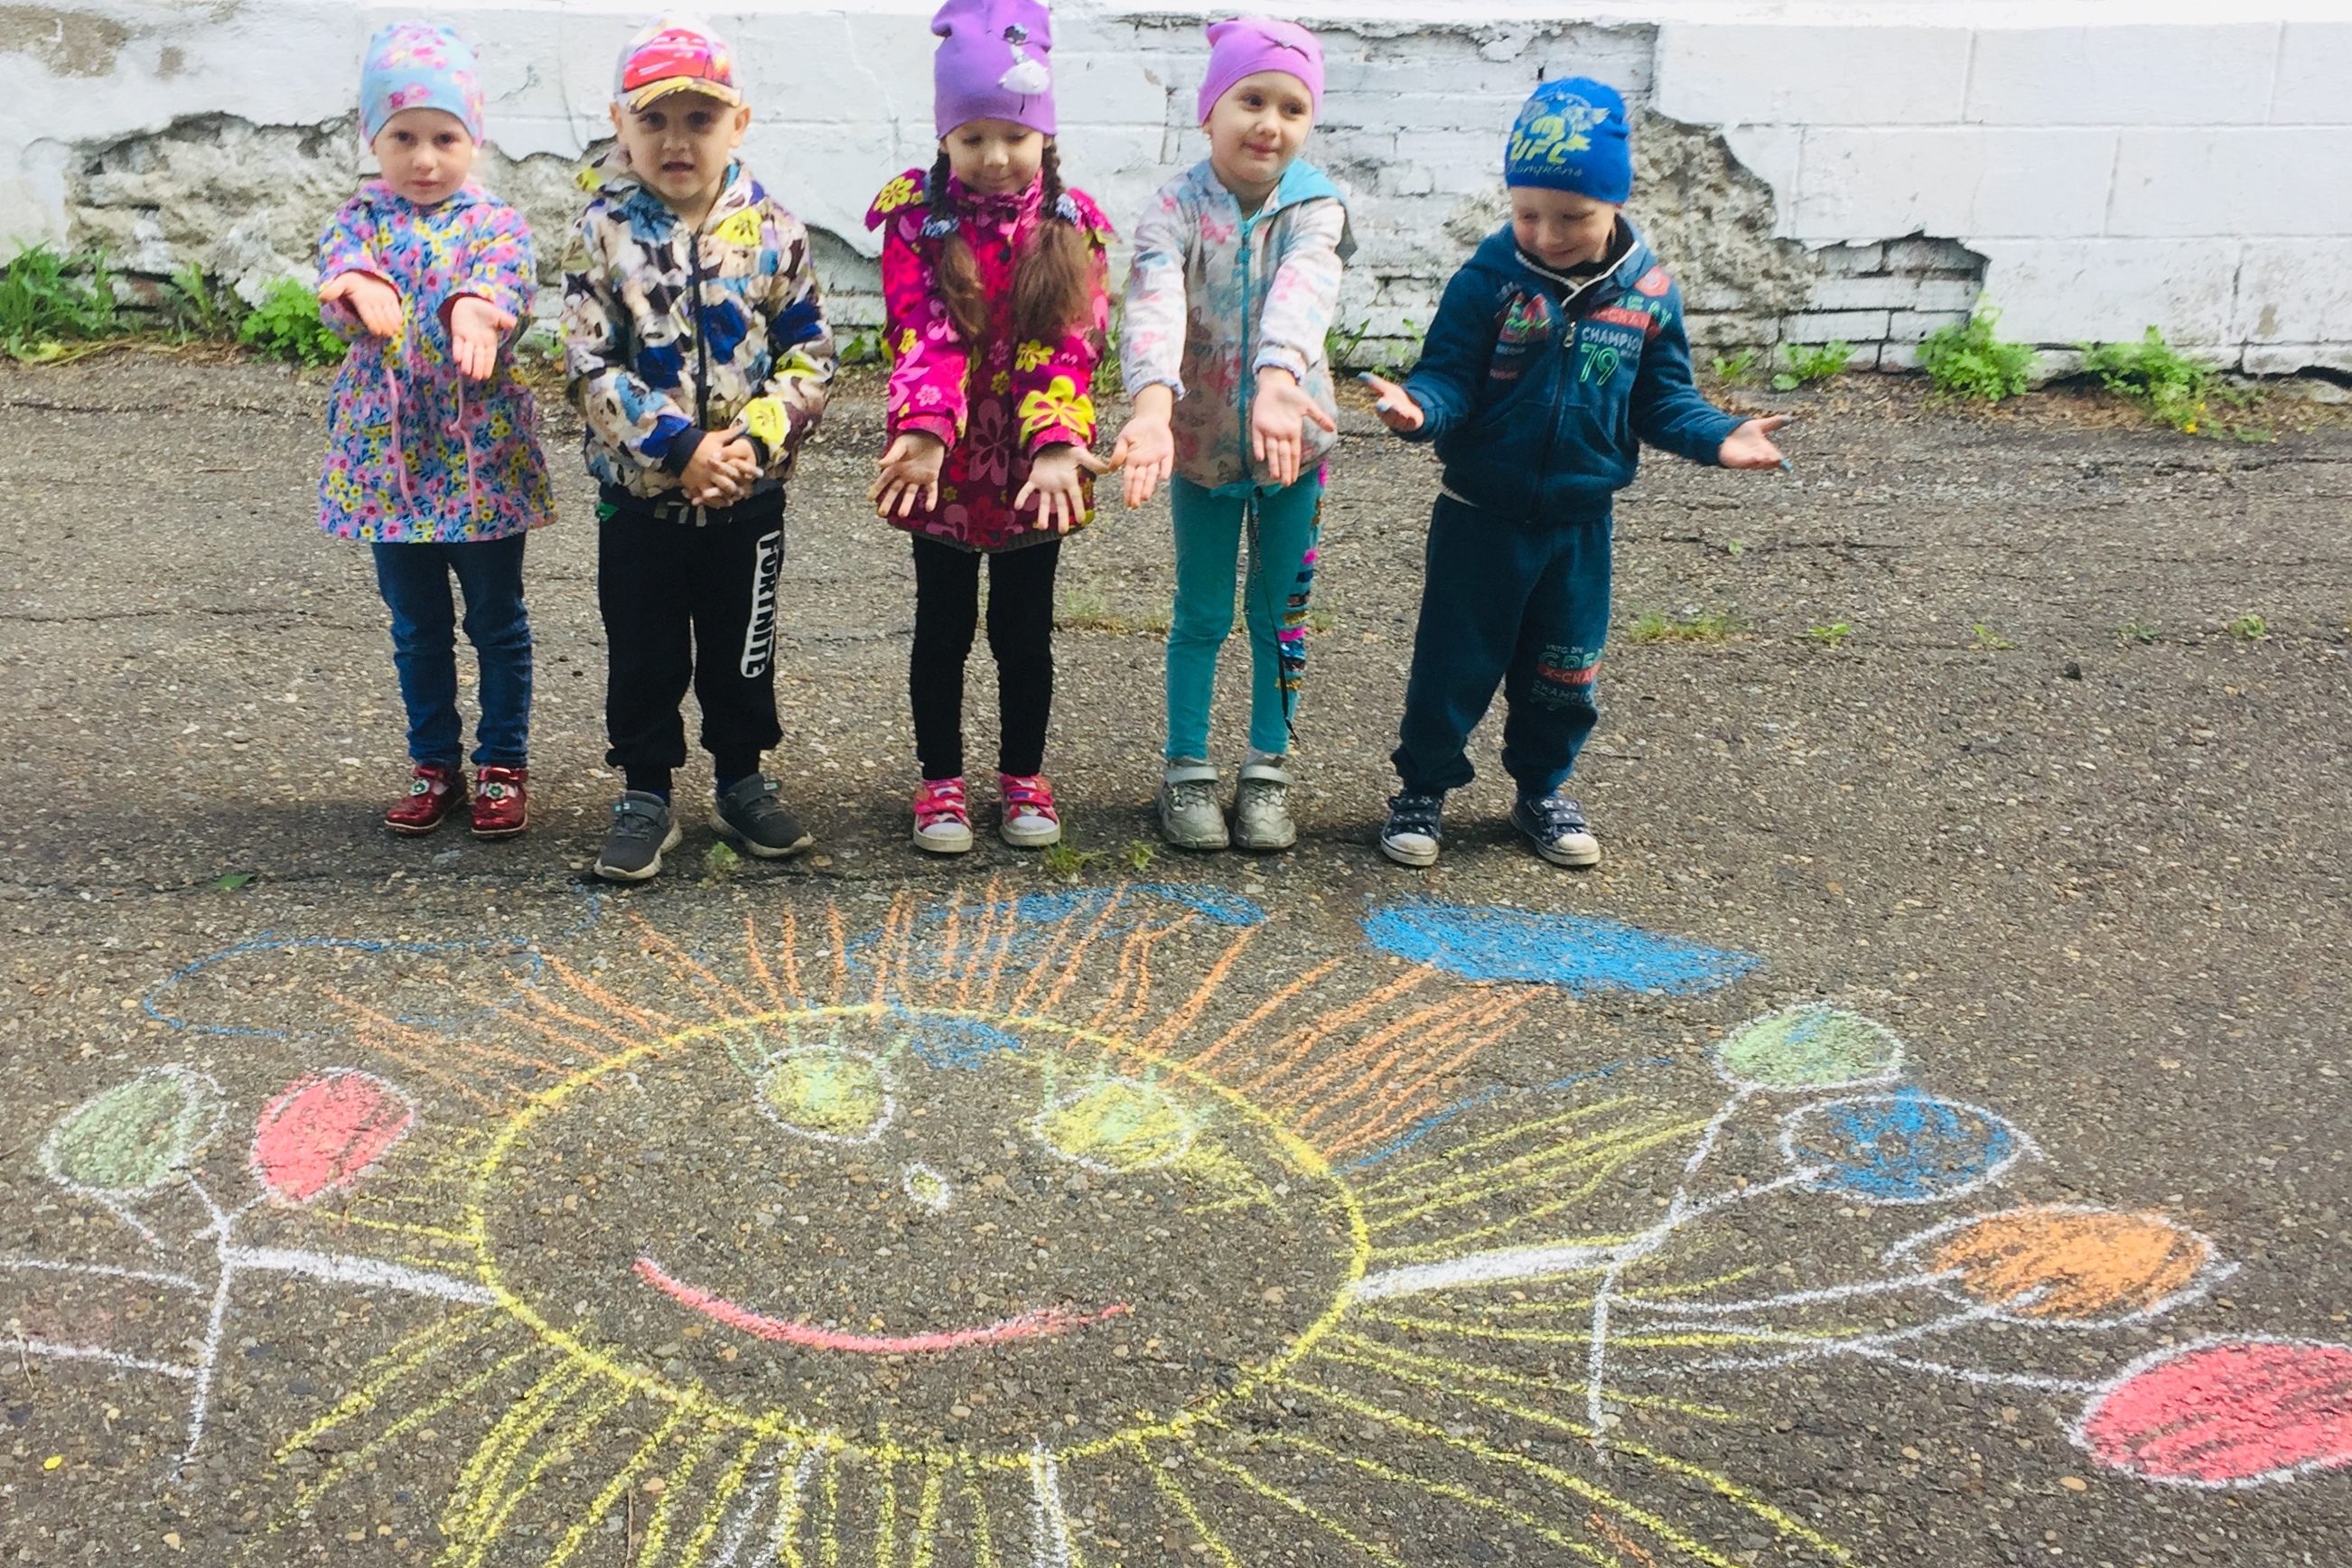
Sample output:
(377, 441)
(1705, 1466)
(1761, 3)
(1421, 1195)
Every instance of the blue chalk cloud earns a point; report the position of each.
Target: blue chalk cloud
(1577, 952)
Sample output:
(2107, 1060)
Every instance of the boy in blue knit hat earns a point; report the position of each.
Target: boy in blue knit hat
(1558, 349)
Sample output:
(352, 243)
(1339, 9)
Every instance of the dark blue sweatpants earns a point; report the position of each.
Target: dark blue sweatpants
(1522, 605)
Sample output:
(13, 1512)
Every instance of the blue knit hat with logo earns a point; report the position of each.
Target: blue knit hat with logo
(1572, 135)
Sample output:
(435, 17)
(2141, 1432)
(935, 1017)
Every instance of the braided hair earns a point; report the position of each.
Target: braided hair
(1053, 275)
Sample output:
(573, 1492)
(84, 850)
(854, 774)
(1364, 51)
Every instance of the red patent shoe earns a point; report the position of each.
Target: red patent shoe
(501, 803)
(433, 794)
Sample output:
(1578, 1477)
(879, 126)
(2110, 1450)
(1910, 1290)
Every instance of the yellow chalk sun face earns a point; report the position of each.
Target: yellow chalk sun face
(918, 1233)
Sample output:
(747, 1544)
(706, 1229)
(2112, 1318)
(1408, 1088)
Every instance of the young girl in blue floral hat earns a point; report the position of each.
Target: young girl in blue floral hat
(430, 457)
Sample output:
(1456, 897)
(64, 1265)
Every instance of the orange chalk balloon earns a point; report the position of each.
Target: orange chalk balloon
(2065, 1264)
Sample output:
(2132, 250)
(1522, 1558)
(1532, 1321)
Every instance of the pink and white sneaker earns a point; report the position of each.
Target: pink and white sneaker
(942, 821)
(1030, 821)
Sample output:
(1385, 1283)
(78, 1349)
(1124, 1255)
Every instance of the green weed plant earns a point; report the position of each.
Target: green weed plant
(286, 326)
(2176, 389)
(1966, 360)
(50, 299)
(1802, 365)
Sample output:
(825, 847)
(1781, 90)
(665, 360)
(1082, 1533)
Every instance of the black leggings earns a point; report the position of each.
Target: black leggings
(1020, 634)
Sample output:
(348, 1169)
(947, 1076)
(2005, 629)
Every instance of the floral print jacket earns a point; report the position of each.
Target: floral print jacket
(1213, 297)
(670, 334)
(995, 404)
(416, 453)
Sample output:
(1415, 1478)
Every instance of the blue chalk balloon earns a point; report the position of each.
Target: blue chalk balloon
(1904, 1148)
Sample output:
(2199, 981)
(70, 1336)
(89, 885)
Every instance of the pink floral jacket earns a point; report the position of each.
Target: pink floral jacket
(996, 404)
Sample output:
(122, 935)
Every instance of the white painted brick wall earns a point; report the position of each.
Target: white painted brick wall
(2116, 165)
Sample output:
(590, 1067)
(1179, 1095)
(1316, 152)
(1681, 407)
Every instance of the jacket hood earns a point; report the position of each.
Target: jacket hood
(1302, 182)
(378, 192)
(1499, 252)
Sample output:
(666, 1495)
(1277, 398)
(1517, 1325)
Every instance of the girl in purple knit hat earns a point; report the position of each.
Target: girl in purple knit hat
(994, 278)
(1237, 278)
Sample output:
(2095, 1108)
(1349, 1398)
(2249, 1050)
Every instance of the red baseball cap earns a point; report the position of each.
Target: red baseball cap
(674, 54)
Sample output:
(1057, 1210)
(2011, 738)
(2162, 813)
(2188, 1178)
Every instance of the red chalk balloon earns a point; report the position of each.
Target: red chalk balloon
(2226, 1413)
(325, 1130)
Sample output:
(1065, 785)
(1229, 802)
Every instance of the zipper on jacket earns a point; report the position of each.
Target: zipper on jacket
(701, 338)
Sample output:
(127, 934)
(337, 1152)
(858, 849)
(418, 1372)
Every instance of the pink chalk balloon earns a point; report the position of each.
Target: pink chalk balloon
(2226, 1412)
(324, 1133)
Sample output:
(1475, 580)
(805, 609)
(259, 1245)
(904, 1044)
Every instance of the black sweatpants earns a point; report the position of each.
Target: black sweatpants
(1020, 634)
(689, 605)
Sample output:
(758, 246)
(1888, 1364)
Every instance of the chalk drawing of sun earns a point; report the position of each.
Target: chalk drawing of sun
(968, 1238)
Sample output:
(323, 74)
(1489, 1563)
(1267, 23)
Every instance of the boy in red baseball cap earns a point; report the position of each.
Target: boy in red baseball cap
(698, 352)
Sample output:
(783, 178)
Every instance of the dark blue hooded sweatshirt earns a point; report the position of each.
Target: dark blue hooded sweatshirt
(1539, 388)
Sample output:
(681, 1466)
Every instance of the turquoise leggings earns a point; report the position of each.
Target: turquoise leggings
(1209, 532)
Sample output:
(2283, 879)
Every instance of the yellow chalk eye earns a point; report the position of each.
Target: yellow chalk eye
(1117, 1124)
(826, 1092)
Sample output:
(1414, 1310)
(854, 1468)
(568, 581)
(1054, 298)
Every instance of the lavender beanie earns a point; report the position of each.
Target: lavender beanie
(991, 64)
(1248, 45)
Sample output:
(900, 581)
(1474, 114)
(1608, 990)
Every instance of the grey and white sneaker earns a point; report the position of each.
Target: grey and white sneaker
(1415, 830)
(642, 828)
(1262, 806)
(1556, 824)
(751, 813)
(1189, 816)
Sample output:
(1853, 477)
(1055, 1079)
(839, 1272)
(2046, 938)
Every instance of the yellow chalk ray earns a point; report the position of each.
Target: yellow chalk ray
(1174, 1491)
(601, 1403)
(1393, 1361)
(622, 1480)
(721, 1501)
(1298, 1506)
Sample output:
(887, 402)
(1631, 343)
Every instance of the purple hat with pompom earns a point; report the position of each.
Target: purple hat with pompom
(991, 64)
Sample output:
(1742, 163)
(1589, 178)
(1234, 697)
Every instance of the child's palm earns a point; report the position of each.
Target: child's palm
(376, 302)
(1750, 446)
(475, 327)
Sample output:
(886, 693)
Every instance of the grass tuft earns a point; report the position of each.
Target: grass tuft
(1801, 365)
(286, 326)
(1706, 626)
(2176, 389)
(49, 299)
(1966, 360)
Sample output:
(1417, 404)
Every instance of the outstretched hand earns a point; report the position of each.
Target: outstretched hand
(1750, 446)
(476, 327)
(1056, 483)
(1395, 406)
(909, 474)
(1146, 448)
(1277, 436)
(376, 302)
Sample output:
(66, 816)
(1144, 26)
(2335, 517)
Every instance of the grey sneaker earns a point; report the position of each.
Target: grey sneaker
(1189, 816)
(1557, 826)
(751, 813)
(642, 829)
(1262, 806)
(1415, 829)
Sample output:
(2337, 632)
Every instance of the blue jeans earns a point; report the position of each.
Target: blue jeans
(1209, 526)
(414, 582)
(1521, 605)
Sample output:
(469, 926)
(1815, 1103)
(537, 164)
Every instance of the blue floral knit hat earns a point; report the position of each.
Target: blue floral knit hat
(416, 65)
(1571, 135)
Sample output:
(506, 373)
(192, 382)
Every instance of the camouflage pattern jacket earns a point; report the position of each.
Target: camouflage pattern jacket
(669, 334)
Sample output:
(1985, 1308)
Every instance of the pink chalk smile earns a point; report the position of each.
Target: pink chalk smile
(1038, 1323)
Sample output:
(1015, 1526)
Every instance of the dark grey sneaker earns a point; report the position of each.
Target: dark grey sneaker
(1557, 826)
(751, 813)
(642, 829)
(1415, 831)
